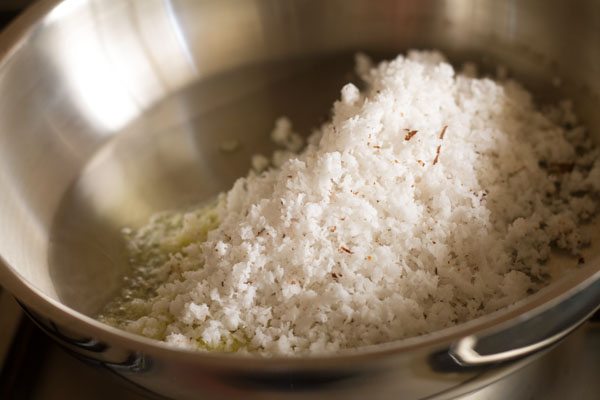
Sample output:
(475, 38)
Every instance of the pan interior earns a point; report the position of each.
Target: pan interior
(171, 158)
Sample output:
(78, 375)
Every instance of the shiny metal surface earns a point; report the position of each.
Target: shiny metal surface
(48, 373)
(111, 110)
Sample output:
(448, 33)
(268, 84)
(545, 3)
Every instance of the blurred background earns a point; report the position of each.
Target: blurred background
(10, 8)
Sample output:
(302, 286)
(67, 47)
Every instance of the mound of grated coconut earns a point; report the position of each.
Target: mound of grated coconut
(429, 199)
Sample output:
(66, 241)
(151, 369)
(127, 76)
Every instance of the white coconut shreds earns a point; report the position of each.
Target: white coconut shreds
(430, 198)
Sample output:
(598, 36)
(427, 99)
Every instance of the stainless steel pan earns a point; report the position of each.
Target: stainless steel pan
(111, 110)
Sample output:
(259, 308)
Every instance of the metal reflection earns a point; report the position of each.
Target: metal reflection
(115, 63)
(179, 35)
